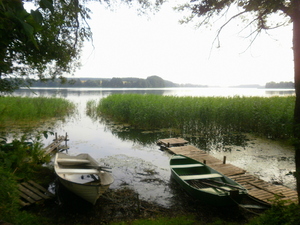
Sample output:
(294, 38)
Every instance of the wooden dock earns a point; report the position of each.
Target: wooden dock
(57, 144)
(257, 188)
(31, 192)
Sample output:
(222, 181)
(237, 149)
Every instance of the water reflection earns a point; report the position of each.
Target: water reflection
(66, 92)
(280, 92)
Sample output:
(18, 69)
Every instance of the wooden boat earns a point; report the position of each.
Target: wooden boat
(204, 183)
(82, 175)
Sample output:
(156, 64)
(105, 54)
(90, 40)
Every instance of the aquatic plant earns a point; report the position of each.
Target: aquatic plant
(17, 110)
(268, 116)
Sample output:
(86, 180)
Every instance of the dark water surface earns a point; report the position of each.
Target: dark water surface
(136, 160)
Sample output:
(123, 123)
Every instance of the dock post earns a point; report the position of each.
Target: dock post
(224, 159)
(66, 142)
(204, 161)
(66, 138)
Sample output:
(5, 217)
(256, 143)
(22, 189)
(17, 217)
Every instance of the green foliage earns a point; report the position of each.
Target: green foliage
(9, 196)
(9, 201)
(26, 109)
(281, 213)
(44, 42)
(272, 117)
(259, 10)
(180, 220)
(20, 159)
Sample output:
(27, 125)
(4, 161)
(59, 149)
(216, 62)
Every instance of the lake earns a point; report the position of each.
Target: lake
(136, 160)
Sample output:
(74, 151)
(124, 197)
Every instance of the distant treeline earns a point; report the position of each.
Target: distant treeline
(288, 85)
(131, 82)
(150, 82)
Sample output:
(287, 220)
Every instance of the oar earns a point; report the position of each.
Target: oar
(103, 168)
(231, 192)
(225, 184)
(215, 186)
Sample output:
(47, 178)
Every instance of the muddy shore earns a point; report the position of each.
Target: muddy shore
(124, 205)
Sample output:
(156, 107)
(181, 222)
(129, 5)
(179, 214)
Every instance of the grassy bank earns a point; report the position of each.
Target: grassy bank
(20, 160)
(20, 110)
(271, 117)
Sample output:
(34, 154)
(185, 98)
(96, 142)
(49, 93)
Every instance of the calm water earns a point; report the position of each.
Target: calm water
(137, 161)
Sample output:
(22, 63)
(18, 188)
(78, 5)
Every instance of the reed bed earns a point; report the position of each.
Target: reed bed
(25, 109)
(268, 116)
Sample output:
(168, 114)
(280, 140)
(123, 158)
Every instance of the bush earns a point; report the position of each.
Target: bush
(281, 213)
(22, 157)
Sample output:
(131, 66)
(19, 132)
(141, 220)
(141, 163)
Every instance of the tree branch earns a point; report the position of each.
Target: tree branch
(225, 24)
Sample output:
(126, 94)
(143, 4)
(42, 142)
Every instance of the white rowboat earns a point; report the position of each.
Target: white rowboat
(82, 175)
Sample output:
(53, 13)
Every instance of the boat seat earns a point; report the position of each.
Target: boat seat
(77, 171)
(186, 165)
(178, 157)
(202, 176)
(67, 160)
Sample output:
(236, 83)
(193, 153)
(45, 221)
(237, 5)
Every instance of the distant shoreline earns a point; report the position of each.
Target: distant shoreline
(149, 82)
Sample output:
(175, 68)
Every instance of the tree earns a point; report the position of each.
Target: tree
(45, 42)
(156, 81)
(260, 12)
(282, 84)
(116, 82)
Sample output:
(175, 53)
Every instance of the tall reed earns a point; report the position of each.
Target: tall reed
(269, 116)
(26, 109)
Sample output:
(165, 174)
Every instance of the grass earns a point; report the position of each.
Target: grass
(268, 116)
(180, 220)
(20, 110)
(21, 159)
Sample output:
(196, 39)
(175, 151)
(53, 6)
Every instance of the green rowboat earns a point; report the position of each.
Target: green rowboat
(204, 183)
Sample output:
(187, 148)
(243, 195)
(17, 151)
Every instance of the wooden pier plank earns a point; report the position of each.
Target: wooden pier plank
(27, 198)
(29, 193)
(256, 187)
(22, 203)
(56, 144)
(35, 190)
(41, 188)
(171, 141)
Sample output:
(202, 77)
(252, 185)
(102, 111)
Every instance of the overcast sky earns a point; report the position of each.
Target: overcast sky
(128, 45)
